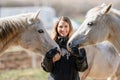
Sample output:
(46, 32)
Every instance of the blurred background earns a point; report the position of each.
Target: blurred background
(17, 64)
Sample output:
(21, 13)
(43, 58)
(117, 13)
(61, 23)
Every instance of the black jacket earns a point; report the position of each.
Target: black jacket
(66, 68)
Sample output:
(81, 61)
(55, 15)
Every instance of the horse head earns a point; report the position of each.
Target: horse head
(26, 30)
(94, 28)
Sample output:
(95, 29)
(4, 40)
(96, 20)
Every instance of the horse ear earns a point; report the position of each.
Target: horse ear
(106, 9)
(33, 17)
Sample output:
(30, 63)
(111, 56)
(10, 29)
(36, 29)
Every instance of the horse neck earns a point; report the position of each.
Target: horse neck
(10, 35)
(114, 27)
(7, 44)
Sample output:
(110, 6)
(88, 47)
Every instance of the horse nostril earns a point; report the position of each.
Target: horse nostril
(70, 45)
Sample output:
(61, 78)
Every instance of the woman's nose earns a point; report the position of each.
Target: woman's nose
(62, 29)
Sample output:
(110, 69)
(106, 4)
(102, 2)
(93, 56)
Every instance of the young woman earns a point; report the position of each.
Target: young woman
(64, 65)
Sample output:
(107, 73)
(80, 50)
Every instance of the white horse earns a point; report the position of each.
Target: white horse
(27, 31)
(101, 23)
(103, 62)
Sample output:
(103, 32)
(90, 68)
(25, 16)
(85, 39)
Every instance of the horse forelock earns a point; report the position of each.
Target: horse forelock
(94, 11)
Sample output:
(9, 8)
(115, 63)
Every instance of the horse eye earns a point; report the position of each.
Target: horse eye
(40, 31)
(90, 23)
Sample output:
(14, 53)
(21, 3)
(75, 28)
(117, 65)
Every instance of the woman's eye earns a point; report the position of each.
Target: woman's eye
(66, 26)
(90, 24)
(60, 26)
(40, 31)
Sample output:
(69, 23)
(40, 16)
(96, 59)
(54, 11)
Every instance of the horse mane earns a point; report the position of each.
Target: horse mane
(98, 8)
(11, 26)
(94, 10)
(115, 12)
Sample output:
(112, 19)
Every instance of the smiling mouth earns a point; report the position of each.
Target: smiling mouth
(62, 33)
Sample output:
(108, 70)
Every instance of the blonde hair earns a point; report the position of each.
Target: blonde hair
(55, 32)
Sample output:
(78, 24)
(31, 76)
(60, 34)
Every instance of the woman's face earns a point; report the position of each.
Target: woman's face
(63, 28)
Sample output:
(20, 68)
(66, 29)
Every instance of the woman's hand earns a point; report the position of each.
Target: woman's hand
(75, 51)
(81, 53)
(56, 57)
(51, 53)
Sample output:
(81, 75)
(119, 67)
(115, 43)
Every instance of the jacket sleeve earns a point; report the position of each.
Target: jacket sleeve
(81, 63)
(47, 64)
